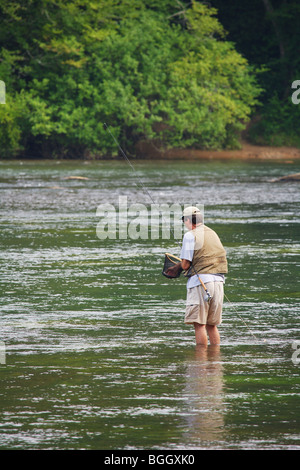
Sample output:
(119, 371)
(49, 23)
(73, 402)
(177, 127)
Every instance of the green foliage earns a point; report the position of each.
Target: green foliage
(150, 70)
(278, 124)
(268, 34)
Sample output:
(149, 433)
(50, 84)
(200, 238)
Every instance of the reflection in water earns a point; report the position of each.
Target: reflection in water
(204, 396)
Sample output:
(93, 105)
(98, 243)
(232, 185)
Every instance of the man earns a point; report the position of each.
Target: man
(203, 257)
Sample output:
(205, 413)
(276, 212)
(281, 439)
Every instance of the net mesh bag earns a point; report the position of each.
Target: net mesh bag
(170, 262)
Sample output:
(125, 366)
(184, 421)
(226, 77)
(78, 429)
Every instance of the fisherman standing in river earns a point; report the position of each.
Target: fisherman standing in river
(203, 257)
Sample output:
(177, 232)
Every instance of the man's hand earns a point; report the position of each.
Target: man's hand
(185, 264)
(174, 271)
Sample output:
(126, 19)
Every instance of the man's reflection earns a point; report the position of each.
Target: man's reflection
(203, 393)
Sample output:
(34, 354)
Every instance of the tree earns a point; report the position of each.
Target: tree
(150, 69)
(267, 33)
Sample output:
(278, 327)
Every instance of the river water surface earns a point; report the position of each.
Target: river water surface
(94, 352)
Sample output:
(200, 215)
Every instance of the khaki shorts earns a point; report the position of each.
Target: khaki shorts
(200, 311)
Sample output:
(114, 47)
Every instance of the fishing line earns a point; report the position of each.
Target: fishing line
(241, 318)
(130, 164)
(142, 186)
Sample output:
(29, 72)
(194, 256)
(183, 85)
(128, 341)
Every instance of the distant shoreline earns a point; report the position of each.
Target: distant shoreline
(148, 151)
(247, 152)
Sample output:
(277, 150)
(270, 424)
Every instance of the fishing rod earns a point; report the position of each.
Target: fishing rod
(143, 187)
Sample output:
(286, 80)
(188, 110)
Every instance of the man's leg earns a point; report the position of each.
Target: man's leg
(200, 334)
(213, 333)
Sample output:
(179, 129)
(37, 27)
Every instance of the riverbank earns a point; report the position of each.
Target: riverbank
(247, 152)
(149, 151)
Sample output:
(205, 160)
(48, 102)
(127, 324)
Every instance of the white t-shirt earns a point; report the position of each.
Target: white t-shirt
(187, 252)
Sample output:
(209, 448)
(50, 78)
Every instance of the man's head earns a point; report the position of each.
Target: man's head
(193, 215)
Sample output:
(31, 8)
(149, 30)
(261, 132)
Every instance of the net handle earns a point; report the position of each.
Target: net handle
(174, 257)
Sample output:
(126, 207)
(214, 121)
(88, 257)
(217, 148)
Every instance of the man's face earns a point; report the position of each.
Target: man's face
(188, 223)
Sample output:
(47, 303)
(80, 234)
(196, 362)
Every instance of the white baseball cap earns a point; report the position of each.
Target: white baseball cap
(191, 210)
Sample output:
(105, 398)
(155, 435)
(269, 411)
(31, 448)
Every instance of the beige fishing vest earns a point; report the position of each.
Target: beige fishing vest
(209, 253)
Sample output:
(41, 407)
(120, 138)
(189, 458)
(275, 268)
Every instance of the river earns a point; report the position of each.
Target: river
(94, 353)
